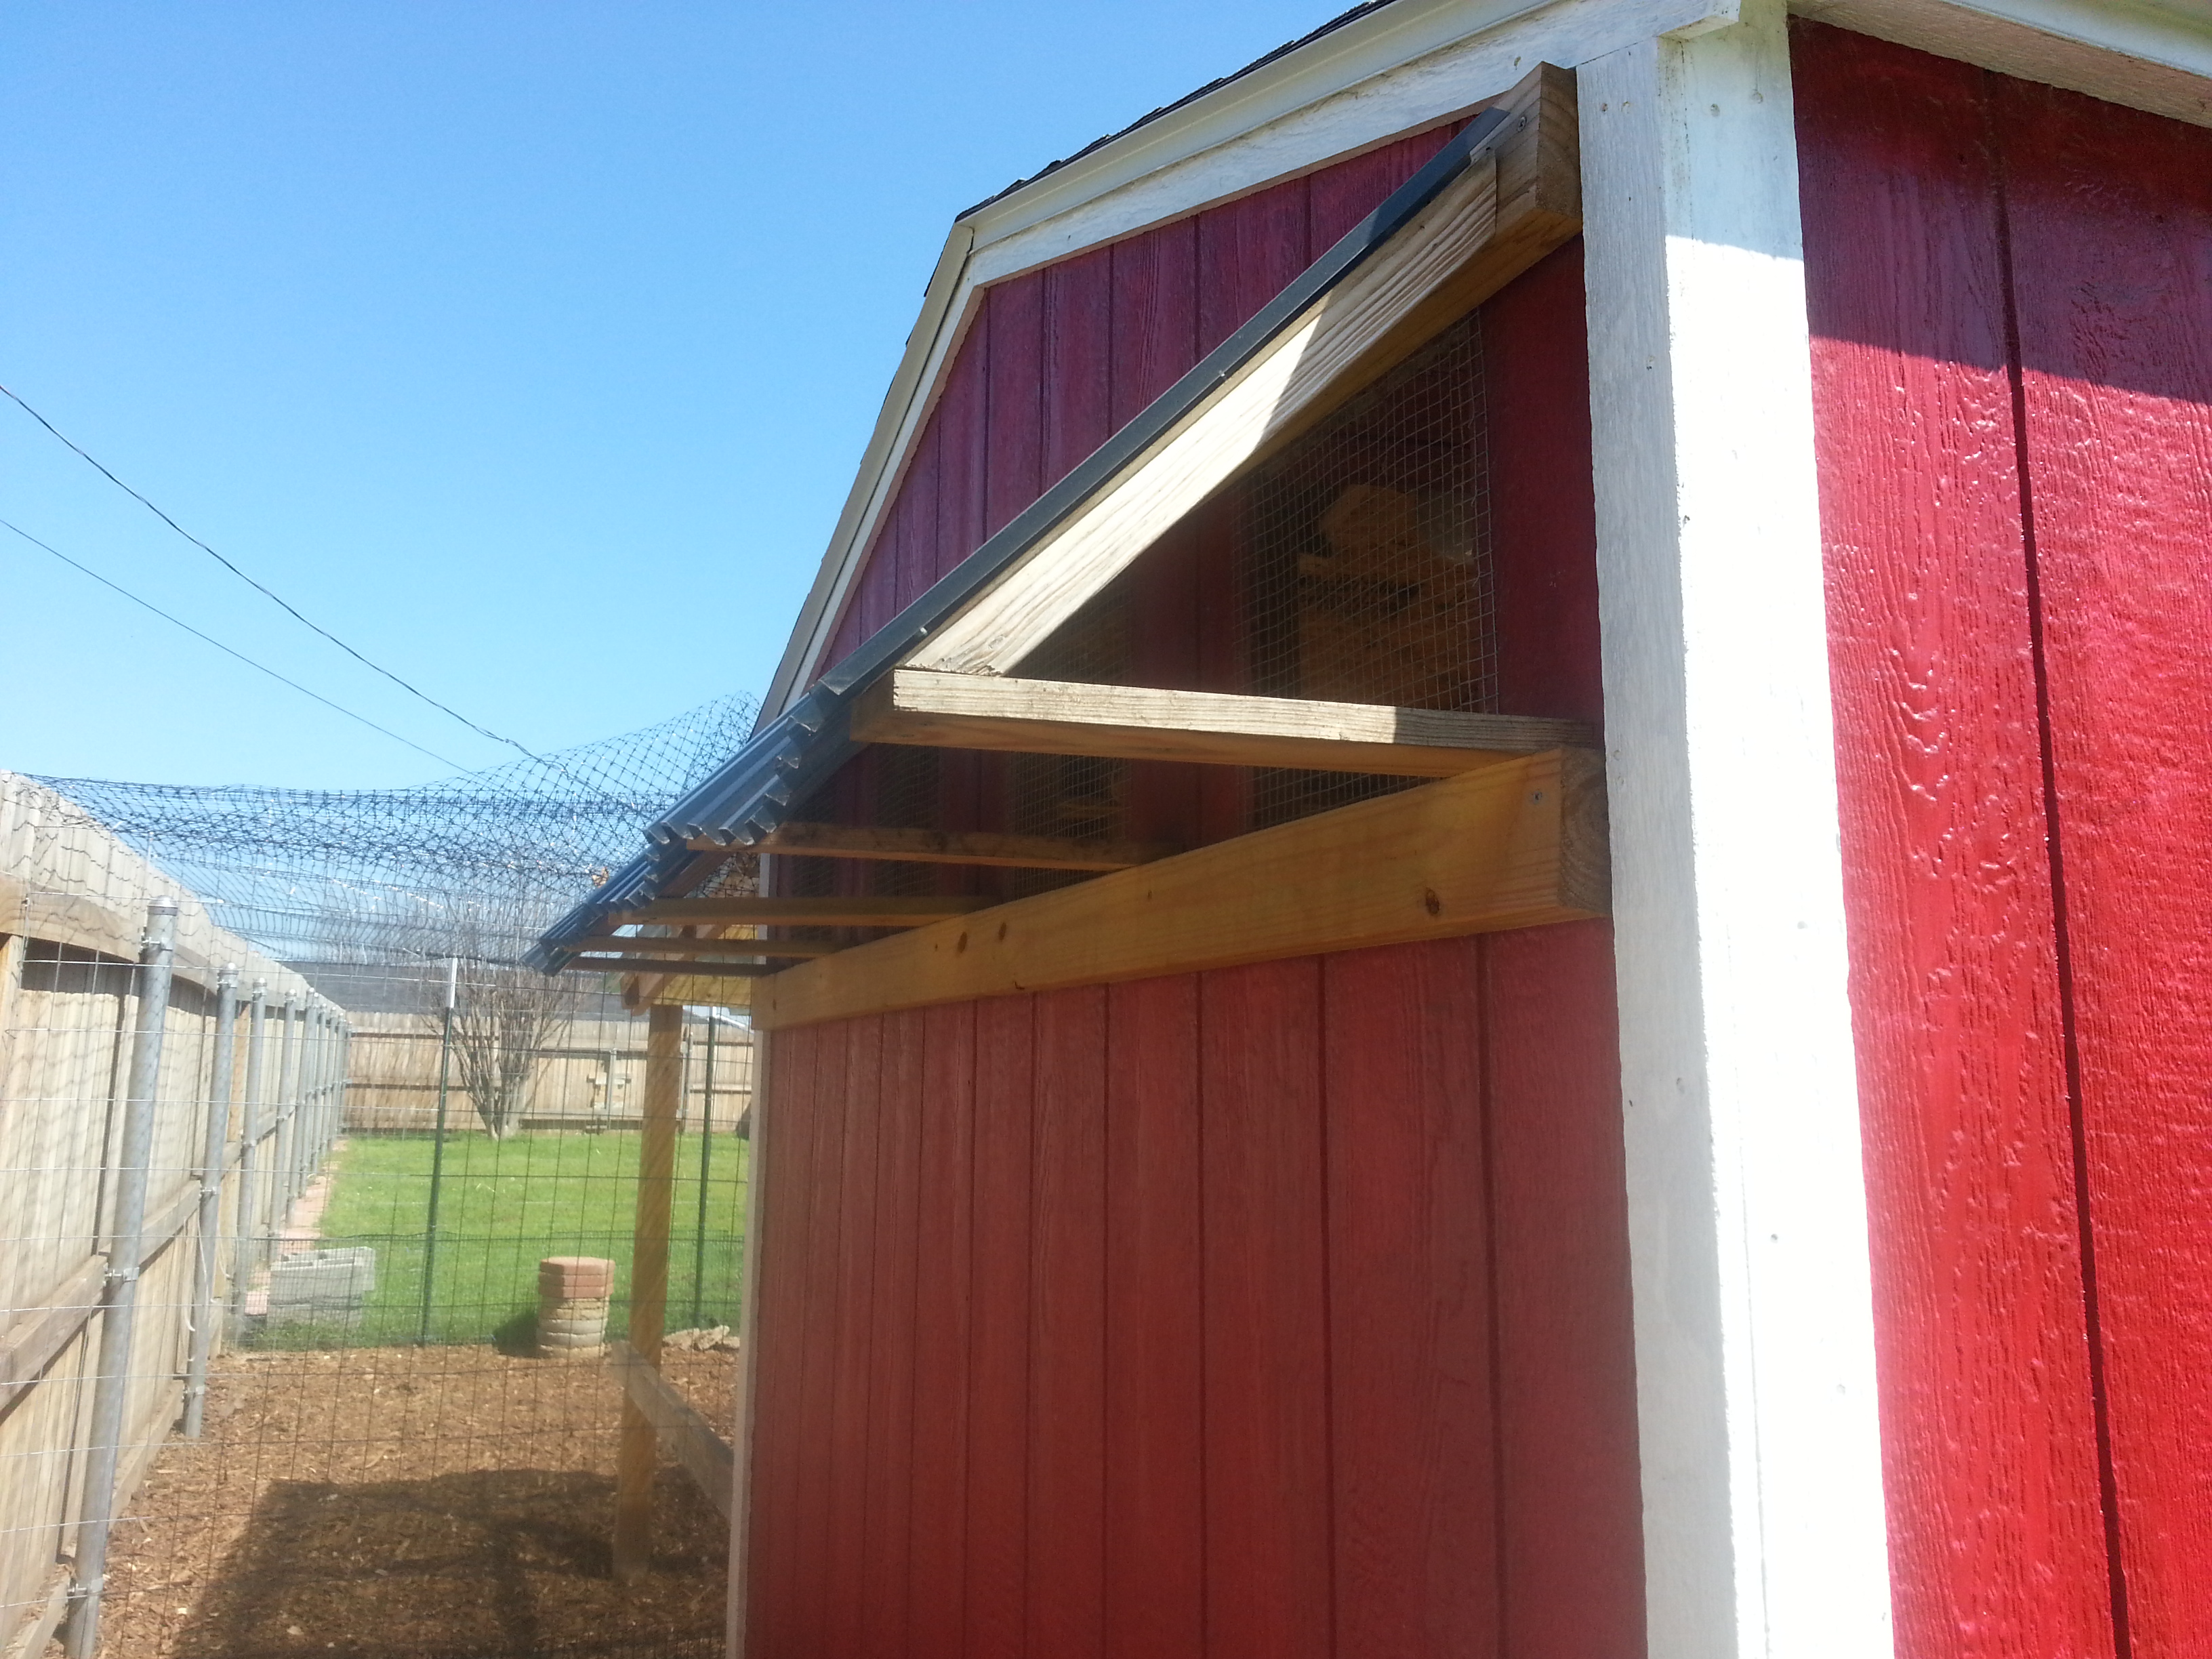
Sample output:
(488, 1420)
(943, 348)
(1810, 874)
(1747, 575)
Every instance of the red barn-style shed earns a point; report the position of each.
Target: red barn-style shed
(1479, 878)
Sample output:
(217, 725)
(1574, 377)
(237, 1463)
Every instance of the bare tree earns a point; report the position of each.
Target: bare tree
(505, 1016)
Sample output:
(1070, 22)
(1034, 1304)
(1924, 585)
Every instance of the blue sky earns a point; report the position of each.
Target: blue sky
(529, 347)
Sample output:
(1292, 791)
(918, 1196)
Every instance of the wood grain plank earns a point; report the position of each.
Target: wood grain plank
(887, 1547)
(1515, 845)
(1570, 1502)
(940, 847)
(2111, 218)
(1067, 1328)
(1338, 198)
(1078, 359)
(1249, 250)
(944, 1335)
(1062, 717)
(870, 912)
(962, 409)
(847, 1590)
(1266, 1318)
(780, 1331)
(1000, 1358)
(1154, 315)
(813, 1516)
(915, 550)
(1155, 1584)
(1978, 1275)
(1013, 474)
(1412, 1447)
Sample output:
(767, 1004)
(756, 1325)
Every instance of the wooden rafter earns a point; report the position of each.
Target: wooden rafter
(1519, 843)
(1060, 717)
(668, 966)
(801, 912)
(841, 841)
(651, 944)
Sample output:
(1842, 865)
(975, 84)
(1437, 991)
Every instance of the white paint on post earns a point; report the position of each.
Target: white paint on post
(1764, 1524)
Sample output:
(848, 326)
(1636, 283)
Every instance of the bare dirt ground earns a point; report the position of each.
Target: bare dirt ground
(444, 1501)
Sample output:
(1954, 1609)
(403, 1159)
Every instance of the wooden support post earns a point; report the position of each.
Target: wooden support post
(636, 1456)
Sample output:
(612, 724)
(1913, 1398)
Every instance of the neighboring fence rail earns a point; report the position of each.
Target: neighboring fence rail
(84, 1240)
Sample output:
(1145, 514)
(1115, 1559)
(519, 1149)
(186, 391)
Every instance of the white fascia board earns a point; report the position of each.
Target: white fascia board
(936, 335)
(2144, 55)
(1406, 66)
(1765, 1530)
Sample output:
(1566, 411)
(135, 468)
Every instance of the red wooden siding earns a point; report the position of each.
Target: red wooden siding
(2009, 290)
(1275, 1311)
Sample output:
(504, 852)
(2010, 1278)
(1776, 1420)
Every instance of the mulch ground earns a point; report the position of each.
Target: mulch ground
(378, 1502)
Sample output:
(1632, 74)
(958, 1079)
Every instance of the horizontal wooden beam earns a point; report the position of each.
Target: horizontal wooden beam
(658, 946)
(915, 707)
(802, 912)
(705, 1455)
(841, 841)
(1517, 844)
(668, 966)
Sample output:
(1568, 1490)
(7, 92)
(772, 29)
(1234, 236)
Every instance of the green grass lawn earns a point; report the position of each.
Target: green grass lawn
(503, 1205)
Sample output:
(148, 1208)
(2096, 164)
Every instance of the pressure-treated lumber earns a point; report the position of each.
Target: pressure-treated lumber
(649, 1285)
(1062, 717)
(1517, 844)
(842, 840)
(668, 966)
(1469, 242)
(652, 944)
(705, 1455)
(802, 912)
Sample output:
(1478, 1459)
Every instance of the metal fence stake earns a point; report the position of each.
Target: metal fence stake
(246, 1221)
(438, 1144)
(706, 1160)
(119, 1300)
(213, 1145)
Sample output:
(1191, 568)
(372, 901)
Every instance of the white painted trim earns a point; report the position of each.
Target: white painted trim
(946, 305)
(2147, 56)
(1407, 67)
(1764, 1524)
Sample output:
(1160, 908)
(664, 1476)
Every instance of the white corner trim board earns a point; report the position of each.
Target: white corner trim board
(1764, 1522)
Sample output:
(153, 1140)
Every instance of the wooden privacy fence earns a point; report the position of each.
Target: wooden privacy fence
(162, 1107)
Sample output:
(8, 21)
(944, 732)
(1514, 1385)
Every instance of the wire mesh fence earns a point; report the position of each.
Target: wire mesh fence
(282, 1367)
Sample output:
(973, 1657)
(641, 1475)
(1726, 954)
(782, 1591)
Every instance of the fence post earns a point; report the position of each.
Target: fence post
(215, 1146)
(119, 1300)
(288, 1115)
(635, 1454)
(247, 1212)
(706, 1162)
(438, 1144)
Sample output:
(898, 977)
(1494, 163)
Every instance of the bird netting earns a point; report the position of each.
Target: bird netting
(473, 865)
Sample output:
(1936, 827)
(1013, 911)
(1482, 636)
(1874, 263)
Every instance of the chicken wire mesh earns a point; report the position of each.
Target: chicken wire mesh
(1352, 565)
(351, 1419)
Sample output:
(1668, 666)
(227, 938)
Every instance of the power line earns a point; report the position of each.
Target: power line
(219, 645)
(281, 604)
